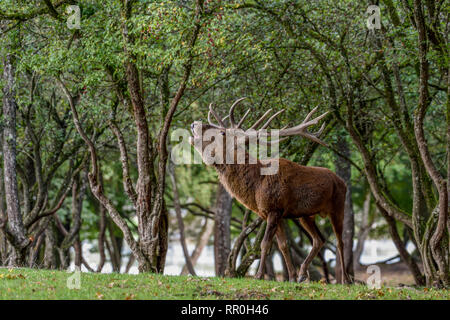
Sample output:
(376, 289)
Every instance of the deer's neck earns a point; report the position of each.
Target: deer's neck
(241, 180)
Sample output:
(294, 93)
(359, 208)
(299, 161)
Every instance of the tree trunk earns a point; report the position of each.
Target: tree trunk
(204, 236)
(364, 229)
(253, 253)
(176, 203)
(15, 228)
(436, 267)
(102, 232)
(78, 248)
(401, 248)
(222, 237)
(130, 263)
(270, 269)
(343, 170)
(114, 247)
(249, 252)
(3, 242)
(50, 258)
(151, 210)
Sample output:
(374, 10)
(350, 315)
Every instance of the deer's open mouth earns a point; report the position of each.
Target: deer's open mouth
(195, 133)
(191, 139)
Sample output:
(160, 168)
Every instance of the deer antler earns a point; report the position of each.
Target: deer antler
(231, 113)
(301, 128)
(211, 111)
(297, 130)
(284, 132)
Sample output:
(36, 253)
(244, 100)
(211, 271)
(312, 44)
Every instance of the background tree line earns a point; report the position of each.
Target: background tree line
(87, 115)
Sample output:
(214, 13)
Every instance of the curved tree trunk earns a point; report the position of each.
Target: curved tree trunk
(3, 242)
(343, 170)
(151, 152)
(222, 237)
(102, 232)
(364, 229)
(204, 236)
(176, 203)
(401, 248)
(14, 228)
(51, 245)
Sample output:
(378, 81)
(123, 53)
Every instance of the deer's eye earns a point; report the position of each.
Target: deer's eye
(222, 133)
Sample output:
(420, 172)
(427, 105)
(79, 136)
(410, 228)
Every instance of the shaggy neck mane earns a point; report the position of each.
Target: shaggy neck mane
(241, 180)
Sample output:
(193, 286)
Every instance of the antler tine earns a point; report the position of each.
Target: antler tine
(231, 113)
(318, 133)
(271, 118)
(313, 138)
(257, 123)
(301, 128)
(211, 111)
(210, 121)
(310, 114)
(242, 119)
(273, 141)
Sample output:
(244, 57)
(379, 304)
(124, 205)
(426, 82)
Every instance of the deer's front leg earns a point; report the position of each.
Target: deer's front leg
(271, 228)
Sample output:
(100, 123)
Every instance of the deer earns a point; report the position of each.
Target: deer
(293, 192)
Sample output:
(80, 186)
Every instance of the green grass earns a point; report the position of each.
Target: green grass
(49, 284)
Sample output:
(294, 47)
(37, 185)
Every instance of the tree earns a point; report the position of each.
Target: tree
(13, 224)
(343, 170)
(222, 223)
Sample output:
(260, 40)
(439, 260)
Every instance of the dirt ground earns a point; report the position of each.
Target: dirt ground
(394, 274)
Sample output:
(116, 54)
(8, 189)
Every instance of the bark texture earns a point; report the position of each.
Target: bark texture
(343, 170)
(14, 228)
(222, 237)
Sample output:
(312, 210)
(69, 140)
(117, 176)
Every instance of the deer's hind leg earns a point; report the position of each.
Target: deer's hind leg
(284, 248)
(318, 241)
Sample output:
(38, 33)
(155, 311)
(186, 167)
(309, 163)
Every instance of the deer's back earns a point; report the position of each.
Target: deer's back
(298, 190)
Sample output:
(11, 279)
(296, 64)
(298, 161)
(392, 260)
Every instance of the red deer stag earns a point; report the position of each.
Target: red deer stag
(294, 191)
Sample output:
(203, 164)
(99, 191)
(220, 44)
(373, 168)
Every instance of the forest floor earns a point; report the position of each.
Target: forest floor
(49, 284)
(393, 274)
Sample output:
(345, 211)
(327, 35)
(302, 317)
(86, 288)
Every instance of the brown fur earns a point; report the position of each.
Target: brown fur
(295, 191)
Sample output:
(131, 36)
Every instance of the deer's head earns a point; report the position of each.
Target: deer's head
(210, 138)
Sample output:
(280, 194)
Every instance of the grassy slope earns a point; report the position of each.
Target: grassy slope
(47, 284)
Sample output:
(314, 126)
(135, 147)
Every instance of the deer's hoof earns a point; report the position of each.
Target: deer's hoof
(302, 278)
